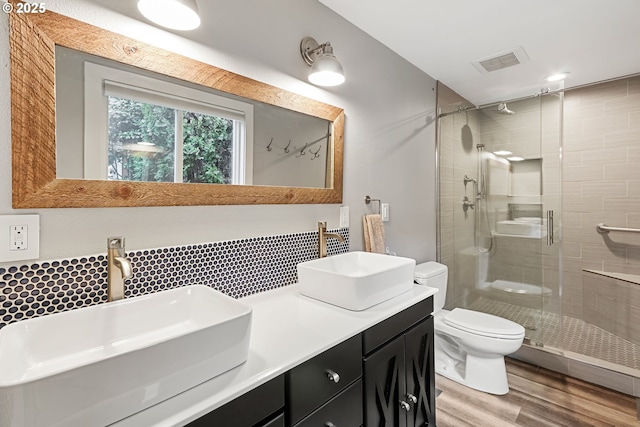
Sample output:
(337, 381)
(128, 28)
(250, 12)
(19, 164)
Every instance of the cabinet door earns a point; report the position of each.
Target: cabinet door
(420, 378)
(384, 386)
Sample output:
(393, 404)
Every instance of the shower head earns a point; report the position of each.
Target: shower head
(503, 109)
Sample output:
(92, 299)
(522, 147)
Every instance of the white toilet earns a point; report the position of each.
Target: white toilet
(469, 346)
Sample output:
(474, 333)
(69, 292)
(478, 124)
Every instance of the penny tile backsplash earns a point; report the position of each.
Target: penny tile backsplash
(234, 267)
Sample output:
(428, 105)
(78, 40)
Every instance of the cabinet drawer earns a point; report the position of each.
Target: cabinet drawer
(343, 410)
(308, 386)
(276, 422)
(388, 329)
(263, 400)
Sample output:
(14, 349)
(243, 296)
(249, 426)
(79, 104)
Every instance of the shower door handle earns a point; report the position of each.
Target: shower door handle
(549, 228)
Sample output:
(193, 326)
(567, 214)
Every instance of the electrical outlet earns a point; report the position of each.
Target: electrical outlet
(19, 237)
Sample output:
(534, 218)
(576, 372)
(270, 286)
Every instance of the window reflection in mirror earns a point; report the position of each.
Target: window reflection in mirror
(142, 144)
(148, 142)
(158, 131)
(116, 122)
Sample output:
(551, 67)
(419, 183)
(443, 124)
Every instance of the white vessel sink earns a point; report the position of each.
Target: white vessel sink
(356, 280)
(96, 365)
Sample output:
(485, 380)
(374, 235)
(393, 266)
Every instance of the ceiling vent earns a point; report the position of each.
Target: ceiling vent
(501, 60)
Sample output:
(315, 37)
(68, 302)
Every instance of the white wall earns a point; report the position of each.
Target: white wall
(389, 132)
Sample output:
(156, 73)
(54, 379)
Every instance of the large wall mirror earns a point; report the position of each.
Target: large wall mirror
(101, 120)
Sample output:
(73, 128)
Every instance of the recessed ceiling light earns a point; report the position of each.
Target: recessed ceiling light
(515, 159)
(557, 77)
(172, 14)
(502, 153)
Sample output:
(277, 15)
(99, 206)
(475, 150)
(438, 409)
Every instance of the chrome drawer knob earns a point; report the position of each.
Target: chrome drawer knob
(333, 376)
(404, 405)
(412, 398)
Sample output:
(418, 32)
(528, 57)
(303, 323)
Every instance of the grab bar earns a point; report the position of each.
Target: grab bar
(603, 228)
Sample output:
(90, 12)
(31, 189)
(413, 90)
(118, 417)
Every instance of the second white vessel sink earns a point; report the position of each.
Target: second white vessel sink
(356, 280)
(96, 365)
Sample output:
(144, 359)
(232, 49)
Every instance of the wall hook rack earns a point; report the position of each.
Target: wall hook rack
(317, 153)
(303, 151)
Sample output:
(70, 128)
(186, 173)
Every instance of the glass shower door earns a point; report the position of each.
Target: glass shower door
(551, 149)
(499, 189)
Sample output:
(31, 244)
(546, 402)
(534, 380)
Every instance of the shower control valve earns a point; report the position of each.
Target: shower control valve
(466, 203)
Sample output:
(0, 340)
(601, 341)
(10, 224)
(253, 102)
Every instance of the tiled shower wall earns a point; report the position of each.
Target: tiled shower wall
(235, 267)
(612, 304)
(601, 183)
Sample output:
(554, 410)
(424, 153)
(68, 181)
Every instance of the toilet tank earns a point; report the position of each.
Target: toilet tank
(433, 274)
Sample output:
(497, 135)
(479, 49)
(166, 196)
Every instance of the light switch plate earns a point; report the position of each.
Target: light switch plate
(384, 211)
(344, 216)
(19, 237)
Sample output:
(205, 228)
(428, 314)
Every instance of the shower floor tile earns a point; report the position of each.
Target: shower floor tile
(579, 336)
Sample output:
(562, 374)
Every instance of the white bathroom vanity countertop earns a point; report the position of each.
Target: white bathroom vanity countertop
(287, 329)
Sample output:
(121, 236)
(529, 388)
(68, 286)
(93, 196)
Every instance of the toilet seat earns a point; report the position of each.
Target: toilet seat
(483, 324)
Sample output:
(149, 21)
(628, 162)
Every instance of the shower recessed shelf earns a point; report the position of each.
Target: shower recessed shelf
(530, 228)
(519, 236)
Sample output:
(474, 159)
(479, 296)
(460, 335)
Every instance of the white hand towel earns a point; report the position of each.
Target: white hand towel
(373, 233)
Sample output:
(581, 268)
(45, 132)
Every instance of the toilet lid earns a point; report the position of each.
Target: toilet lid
(483, 324)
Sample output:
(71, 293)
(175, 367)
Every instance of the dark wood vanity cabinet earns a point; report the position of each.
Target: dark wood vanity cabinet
(398, 378)
(382, 377)
(396, 389)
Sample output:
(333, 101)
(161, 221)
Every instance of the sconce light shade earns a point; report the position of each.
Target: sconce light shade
(173, 14)
(326, 70)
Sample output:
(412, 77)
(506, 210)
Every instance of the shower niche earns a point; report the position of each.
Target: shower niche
(516, 178)
(526, 178)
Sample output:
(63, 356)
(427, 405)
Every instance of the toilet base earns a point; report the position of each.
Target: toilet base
(488, 375)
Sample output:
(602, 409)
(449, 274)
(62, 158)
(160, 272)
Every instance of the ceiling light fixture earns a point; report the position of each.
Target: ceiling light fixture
(172, 14)
(502, 153)
(326, 70)
(515, 159)
(557, 77)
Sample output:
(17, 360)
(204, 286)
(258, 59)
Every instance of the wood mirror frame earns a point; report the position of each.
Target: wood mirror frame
(33, 118)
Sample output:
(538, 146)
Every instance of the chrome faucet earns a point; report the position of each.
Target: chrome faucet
(118, 268)
(322, 238)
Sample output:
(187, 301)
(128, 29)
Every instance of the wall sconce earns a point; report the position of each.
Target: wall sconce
(173, 14)
(326, 70)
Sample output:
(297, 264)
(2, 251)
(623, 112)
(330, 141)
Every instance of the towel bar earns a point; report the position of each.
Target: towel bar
(368, 200)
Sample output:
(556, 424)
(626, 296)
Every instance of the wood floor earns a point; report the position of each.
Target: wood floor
(537, 397)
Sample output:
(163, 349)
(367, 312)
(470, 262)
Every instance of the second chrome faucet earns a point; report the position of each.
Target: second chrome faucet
(322, 238)
(119, 268)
